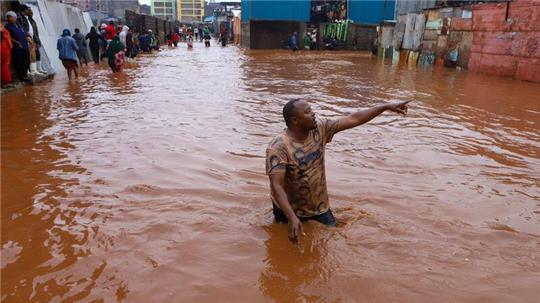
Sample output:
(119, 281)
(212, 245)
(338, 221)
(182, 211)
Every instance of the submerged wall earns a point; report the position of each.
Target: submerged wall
(500, 39)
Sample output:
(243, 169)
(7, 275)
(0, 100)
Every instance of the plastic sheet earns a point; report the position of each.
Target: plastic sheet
(51, 18)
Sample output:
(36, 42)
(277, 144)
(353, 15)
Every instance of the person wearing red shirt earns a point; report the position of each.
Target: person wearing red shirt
(175, 38)
(110, 31)
(5, 52)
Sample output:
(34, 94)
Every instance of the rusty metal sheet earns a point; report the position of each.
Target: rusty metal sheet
(433, 14)
(442, 44)
(413, 58)
(430, 35)
(387, 36)
(434, 24)
(418, 31)
(399, 32)
(445, 26)
(408, 38)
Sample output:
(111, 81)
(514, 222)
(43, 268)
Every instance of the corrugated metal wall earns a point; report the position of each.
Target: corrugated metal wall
(371, 12)
(289, 10)
(413, 6)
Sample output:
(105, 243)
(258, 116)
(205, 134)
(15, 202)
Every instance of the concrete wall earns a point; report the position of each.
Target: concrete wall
(507, 46)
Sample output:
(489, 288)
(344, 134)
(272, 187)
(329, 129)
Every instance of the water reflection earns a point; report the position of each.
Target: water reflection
(34, 216)
(149, 185)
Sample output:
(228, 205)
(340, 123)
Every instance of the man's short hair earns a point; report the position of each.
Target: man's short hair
(289, 110)
(77, 30)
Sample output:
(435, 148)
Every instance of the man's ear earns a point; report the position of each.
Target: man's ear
(294, 120)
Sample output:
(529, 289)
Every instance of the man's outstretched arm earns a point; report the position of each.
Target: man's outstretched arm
(364, 116)
(277, 184)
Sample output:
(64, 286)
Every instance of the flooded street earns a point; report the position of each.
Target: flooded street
(149, 185)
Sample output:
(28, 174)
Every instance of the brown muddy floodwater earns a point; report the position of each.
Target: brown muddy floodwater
(149, 186)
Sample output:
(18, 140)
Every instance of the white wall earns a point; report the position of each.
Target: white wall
(52, 18)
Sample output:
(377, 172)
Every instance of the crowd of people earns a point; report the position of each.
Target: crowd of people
(114, 43)
(309, 41)
(117, 44)
(189, 34)
(20, 46)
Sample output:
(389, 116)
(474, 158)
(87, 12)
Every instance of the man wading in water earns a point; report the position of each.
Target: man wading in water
(295, 162)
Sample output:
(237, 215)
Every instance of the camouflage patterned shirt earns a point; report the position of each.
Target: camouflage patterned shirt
(303, 166)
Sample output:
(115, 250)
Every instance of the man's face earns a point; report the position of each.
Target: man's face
(11, 19)
(305, 117)
(29, 12)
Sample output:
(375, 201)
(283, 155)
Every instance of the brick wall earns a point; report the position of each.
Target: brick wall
(506, 46)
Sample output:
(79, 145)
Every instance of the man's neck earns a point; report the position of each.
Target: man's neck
(299, 135)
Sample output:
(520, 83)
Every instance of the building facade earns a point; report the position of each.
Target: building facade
(117, 8)
(319, 11)
(88, 5)
(190, 10)
(209, 8)
(145, 9)
(164, 9)
(348, 24)
(112, 8)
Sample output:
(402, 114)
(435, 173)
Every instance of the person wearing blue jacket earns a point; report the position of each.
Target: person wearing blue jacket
(293, 41)
(67, 52)
(20, 54)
